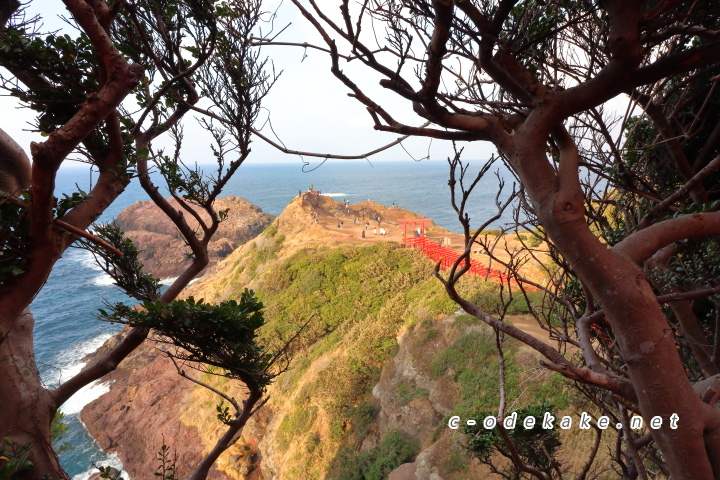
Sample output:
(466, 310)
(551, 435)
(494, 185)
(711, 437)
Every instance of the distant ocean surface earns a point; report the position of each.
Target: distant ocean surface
(66, 329)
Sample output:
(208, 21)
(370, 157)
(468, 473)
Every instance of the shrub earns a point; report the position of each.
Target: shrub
(298, 420)
(392, 452)
(536, 446)
(471, 361)
(377, 463)
(271, 230)
(533, 241)
(407, 394)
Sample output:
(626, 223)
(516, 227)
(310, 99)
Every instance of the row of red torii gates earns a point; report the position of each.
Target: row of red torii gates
(445, 256)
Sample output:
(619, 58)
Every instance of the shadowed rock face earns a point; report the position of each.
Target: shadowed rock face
(164, 251)
(133, 417)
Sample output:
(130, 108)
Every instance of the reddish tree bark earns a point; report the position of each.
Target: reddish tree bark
(123, 36)
(524, 93)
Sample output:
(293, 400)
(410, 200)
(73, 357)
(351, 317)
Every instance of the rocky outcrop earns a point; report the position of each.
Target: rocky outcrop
(135, 417)
(148, 406)
(414, 402)
(164, 252)
(410, 398)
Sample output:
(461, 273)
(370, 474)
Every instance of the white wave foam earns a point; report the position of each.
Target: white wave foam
(86, 259)
(167, 281)
(102, 280)
(69, 362)
(111, 460)
(84, 396)
(334, 194)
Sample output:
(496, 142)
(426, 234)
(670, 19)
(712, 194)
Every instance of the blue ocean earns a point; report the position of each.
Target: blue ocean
(66, 329)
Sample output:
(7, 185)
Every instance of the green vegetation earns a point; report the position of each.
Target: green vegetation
(222, 335)
(407, 394)
(346, 285)
(126, 269)
(13, 458)
(457, 461)
(535, 238)
(376, 464)
(296, 423)
(465, 320)
(472, 363)
(268, 251)
(13, 231)
(354, 301)
(485, 295)
(536, 446)
(530, 239)
(58, 433)
(271, 230)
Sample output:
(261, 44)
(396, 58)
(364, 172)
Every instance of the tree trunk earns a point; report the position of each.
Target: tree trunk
(231, 435)
(647, 344)
(27, 410)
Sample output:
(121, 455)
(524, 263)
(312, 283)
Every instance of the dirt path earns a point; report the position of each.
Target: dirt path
(347, 223)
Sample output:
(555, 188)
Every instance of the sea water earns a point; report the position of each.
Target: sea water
(67, 329)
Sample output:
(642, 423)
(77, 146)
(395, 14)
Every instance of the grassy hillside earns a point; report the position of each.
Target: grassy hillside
(362, 304)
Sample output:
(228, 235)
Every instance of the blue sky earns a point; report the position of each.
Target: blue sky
(309, 108)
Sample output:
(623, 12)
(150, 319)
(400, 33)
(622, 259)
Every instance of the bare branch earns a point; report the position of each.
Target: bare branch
(642, 244)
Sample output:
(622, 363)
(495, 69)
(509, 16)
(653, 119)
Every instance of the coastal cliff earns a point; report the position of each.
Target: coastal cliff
(165, 254)
(383, 361)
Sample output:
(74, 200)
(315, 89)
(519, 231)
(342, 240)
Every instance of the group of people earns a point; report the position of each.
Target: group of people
(375, 232)
(367, 226)
(340, 224)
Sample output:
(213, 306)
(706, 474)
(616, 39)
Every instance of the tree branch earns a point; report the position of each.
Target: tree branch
(14, 165)
(642, 244)
(101, 367)
(699, 177)
(684, 61)
(515, 457)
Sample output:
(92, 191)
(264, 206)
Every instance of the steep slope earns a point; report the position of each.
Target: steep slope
(383, 361)
(344, 406)
(119, 419)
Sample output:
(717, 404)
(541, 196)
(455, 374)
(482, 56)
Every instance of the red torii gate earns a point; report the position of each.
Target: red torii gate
(415, 223)
(445, 256)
